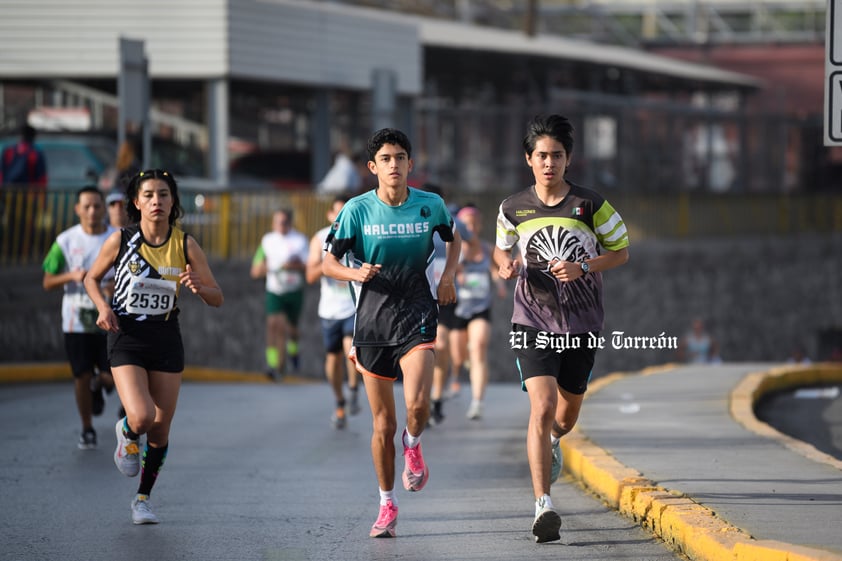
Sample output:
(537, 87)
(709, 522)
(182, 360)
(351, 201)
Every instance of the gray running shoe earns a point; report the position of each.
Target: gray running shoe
(354, 405)
(142, 511)
(127, 454)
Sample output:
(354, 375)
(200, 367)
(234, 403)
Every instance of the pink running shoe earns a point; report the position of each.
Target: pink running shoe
(415, 472)
(384, 527)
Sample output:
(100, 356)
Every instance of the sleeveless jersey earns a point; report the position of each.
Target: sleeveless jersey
(146, 276)
(440, 255)
(335, 300)
(474, 292)
(399, 302)
(572, 230)
(75, 250)
(277, 249)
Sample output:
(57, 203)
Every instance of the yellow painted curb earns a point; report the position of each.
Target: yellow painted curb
(60, 372)
(770, 550)
(34, 372)
(683, 524)
(754, 386)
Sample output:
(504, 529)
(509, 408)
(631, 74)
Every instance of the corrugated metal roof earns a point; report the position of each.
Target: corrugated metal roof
(458, 35)
(198, 38)
(455, 35)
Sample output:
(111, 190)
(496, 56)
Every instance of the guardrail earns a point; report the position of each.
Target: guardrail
(229, 225)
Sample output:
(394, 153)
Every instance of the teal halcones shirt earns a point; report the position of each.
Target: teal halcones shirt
(400, 302)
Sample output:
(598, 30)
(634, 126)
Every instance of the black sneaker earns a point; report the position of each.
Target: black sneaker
(436, 415)
(97, 399)
(87, 441)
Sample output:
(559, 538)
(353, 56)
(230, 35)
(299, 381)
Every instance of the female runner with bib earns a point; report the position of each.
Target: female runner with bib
(152, 259)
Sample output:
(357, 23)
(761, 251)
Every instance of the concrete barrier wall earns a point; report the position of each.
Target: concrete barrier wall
(760, 298)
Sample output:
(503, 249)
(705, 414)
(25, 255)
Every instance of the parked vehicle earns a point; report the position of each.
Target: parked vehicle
(78, 159)
(286, 170)
(73, 160)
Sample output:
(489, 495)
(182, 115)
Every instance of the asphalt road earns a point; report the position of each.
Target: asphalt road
(812, 414)
(256, 472)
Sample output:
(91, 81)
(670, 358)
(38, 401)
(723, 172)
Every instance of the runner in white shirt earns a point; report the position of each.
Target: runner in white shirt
(337, 312)
(281, 260)
(66, 265)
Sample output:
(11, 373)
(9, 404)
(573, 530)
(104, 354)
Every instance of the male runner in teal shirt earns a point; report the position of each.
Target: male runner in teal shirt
(386, 239)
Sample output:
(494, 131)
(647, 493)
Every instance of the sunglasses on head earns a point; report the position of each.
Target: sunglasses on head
(153, 171)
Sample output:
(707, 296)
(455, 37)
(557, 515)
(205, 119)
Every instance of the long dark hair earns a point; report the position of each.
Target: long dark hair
(134, 187)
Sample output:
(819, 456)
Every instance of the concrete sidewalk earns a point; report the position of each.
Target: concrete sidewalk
(678, 449)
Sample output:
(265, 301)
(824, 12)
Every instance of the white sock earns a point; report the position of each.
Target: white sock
(388, 496)
(543, 501)
(410, 441)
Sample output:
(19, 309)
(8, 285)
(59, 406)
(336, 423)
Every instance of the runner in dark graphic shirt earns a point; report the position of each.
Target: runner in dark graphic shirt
(566, 236)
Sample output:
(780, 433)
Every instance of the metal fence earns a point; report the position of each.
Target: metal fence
(230, 225)
(628, 144)
(227, 225)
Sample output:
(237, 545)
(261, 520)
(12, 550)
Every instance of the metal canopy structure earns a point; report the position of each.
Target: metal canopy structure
(462, 37)
(636, 22)
(320, 47)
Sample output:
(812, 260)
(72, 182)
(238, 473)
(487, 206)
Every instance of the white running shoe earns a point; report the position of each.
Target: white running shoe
(87, 440)
(338, 419)
(546, 525)
(127, 454)
(142, 511)
(475, 411)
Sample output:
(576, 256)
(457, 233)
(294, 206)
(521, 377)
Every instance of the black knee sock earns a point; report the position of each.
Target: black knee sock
(128, 432)
(153, 461)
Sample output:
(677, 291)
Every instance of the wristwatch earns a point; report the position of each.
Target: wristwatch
(585, 267)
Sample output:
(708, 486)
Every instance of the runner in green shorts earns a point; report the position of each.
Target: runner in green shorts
(281, 259)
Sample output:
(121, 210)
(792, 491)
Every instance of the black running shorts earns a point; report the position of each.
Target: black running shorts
(447, 315)
(152, 345)
(568, 358)
(86, 351)
(385, 362)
